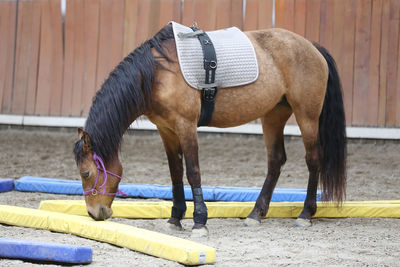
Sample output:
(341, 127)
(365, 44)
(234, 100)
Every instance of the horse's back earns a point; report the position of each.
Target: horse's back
(289, 67)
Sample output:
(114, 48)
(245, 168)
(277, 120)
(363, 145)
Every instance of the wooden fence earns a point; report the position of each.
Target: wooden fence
(52, 65)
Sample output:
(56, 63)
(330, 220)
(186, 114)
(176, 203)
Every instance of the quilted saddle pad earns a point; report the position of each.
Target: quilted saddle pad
(236, 58)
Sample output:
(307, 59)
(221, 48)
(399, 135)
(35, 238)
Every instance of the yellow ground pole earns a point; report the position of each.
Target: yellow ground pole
(162, 209)
(145, 241)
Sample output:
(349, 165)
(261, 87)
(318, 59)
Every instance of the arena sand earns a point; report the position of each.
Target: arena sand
(230, 160)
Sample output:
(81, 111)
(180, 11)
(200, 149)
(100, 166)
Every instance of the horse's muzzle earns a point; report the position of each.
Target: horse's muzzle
(100, 213)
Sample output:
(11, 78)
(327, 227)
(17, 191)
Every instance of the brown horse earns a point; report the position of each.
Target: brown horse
(295, 76)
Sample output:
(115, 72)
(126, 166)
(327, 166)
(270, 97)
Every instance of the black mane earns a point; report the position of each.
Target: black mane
(124, 96)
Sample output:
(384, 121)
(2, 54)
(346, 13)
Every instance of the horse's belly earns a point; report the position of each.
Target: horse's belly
(236, 106)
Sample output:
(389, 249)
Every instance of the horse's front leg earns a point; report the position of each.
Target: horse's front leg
(188, 140)
(174, 154)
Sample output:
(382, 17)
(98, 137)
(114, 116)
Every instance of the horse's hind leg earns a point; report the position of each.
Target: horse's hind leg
(309, 132)
(174, 155)
(273, 124)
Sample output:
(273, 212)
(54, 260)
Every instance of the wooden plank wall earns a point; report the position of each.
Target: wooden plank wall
(363, 37)
(51, 68)
(8, 12)
(35, 46)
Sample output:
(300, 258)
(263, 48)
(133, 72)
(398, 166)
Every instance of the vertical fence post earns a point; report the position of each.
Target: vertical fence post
(8, 16)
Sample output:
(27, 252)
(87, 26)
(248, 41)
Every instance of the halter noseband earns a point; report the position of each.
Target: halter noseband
(100, 167)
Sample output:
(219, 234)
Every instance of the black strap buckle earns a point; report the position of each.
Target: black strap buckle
(210, 64)
(209, 94)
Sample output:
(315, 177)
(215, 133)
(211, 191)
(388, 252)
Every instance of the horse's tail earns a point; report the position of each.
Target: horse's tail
(332, 136)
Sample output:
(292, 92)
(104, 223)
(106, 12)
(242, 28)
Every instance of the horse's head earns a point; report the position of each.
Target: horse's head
(99, 180)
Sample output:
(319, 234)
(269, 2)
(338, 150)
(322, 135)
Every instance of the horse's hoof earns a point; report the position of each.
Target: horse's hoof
(300, 222)
(174, 224)
(251, 222)
(199, 231)
(174, 227)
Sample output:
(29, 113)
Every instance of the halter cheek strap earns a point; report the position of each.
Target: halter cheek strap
(100, 167)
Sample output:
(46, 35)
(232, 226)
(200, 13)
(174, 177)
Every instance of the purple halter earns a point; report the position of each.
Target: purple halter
(100, 167)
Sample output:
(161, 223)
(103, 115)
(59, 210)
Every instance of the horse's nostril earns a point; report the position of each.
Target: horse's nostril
(102, 213)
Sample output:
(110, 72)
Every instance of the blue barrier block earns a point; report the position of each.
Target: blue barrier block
(210, 193)
(41, 251)
(6, 185)
(49, 185)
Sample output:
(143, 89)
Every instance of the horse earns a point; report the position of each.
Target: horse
(295, 76)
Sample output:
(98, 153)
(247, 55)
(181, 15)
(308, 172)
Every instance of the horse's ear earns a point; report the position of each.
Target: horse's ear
(80, 133)
(86, 140)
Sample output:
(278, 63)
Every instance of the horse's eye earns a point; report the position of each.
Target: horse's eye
(85, 175)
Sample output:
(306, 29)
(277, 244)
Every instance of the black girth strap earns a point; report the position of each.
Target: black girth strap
(209, 89)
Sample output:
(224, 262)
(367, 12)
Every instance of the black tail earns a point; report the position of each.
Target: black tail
(332, 136)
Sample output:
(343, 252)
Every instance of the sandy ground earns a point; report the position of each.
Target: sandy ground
(232, 160)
